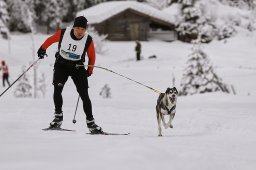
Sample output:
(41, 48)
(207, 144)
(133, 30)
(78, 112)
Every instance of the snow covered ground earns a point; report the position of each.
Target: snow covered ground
(211, 131)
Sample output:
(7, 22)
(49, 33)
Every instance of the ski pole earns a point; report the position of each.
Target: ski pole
(155, 90)
(19, 77)
(74, 119)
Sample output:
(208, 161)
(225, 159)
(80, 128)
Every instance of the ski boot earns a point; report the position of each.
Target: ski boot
(93, 128)
(57, 121)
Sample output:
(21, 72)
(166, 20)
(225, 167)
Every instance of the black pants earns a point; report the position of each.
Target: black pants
(138, 56)
(6, 78)
(61, 73)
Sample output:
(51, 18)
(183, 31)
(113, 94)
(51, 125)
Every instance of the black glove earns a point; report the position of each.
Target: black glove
(88, 74)
(41, 53)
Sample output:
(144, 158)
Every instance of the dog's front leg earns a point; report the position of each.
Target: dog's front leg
(166, 125)
(169, 123)
(159, 123)
(172, 116)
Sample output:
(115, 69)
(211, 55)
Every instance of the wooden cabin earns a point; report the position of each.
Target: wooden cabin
(129, 21)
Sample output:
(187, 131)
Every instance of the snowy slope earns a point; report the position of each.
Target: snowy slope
(211, 131)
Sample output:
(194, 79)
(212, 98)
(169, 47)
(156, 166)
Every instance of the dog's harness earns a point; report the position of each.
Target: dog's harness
(169, 111)
(164, 107)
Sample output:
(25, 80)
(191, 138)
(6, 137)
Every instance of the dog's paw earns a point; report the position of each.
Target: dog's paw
(171, 126)
(160, 135)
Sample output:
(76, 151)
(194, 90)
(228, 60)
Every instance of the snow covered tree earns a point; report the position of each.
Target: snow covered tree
(41, 85)
(99, 40)
(243, 4)
(18, 15)
(52, 16)
(39, 7)
(225, 31)
(70, 8)
(94, 2)
(105, 91)
(252, 21)
(188, 27)
(24, 86)
(48, 13)
(65, 6)
(75, 6)
(159, 4)
(199, 75)
(198, 21)
(4, 17)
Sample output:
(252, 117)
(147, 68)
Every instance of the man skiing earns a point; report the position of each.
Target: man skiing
(5, 69)
(73, 44)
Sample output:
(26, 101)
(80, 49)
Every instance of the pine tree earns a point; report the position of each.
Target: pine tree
(18, 15)
(39, 7)
(199, 75)
(99, 40)
(24, 87)
(244, 4)
(159, 4)
(4, 17)
(188, 28)
(52, 15)
(48, 13)
(194, 22)
(65, 15)
(41, 87)
(105, 91)
(77, 5)
(95, 2)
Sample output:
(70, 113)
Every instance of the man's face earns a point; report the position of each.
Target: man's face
(79, 32)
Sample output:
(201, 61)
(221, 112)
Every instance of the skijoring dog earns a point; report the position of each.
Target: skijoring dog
(166, 106)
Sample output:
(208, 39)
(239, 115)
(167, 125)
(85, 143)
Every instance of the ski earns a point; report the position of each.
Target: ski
(57, 129)
(70, 130)
(107, 133)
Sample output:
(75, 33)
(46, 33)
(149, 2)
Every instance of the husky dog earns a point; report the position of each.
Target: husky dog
(166, 104)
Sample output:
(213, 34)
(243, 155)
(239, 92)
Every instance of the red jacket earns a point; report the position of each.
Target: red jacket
(56, 38)
(5, 69)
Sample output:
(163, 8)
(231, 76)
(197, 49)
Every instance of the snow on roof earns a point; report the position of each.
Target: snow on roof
(103, 11)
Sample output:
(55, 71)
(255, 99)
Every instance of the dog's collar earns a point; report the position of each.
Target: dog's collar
(169, 111)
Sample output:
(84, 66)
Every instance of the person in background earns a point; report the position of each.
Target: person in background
(73, 44)
(138, 50)
(5, 71)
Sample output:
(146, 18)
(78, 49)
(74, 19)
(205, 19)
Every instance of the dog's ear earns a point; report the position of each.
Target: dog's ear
(175, 90)
(168, 90)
